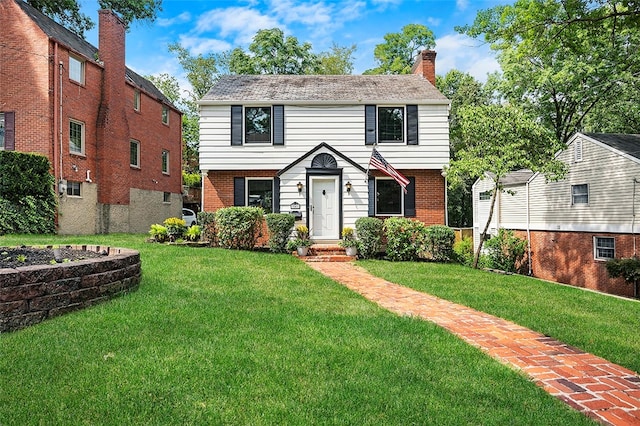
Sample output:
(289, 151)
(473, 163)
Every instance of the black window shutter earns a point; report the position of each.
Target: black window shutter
(238, 191)
(412, 124)
(369, 124)
(10, 131)
(236, 125)
(410, 198)
(278, 124)
(276, 194)
(372, 196)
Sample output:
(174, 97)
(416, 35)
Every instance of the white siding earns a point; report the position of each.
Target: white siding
(481, 210)
(342, 127)
(610, 177)
(513, 207)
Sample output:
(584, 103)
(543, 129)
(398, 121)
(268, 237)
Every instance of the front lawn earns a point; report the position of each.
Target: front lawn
(603, 325)
(227, 337)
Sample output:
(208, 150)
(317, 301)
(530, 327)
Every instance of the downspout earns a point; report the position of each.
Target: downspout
(446, 201)
(57, 116)
(61, 69)
(633, 215)
(530, 272)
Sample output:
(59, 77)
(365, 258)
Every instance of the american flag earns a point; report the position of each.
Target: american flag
(381, 164)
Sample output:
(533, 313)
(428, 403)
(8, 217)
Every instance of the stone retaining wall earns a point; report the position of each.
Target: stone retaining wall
(31, 294)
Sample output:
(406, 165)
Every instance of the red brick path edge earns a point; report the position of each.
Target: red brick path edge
(601, 390)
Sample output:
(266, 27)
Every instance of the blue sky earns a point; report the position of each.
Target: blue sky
(205, 26)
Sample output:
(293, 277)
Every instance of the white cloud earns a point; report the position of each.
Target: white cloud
(457, 51)
(202, 45)
(308, 13)
(462, 5)
(239, 22)
(434, 22)
(180, 19)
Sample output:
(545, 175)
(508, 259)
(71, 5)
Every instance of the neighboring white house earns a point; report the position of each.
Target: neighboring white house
(578, 223)
(303, 143)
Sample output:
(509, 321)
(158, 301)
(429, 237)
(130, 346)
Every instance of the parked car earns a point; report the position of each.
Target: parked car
(189, 217)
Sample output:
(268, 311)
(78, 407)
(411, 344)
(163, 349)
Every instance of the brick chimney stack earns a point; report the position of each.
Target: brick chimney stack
(426, 65)
(112, 125)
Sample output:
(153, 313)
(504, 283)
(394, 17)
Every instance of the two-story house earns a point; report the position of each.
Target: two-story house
(578, 223)
(302, 144)
(113, 139)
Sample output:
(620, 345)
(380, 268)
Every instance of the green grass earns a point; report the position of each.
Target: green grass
(603, 325)
(227, 337)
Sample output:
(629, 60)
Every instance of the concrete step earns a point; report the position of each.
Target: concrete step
(329, 258)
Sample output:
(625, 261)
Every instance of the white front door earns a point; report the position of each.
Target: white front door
(324, 205)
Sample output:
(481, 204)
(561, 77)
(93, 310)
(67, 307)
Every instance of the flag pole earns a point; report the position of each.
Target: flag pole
(366, 176)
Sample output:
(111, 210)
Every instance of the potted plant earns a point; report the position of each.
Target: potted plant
(301, 242)
(349, 241)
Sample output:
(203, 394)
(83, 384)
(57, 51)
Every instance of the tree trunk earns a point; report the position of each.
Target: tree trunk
(483, 234)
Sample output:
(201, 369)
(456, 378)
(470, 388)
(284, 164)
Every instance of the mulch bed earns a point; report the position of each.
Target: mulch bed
(14, 257)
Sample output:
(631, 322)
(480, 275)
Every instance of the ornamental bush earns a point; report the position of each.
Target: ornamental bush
(439, 243)
(406, 238)
(370, 231)
(176, 228)
(238, 227)
(279, 226)
(159, 233)
(628, 268)
(463, 250)
(27, 198)
(505, 251)
(207, 221)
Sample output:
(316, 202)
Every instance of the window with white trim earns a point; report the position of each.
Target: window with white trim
(485, 196)
(165, 162)
(76, 137)
(389, 197)
(580, 194)
(74, 189)
(604, 248)
(260, 193)
(76, 69)
(390, 124)
(136, 100)
(134, 153)
(165, 114)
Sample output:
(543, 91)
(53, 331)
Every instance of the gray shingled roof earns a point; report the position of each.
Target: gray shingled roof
(629, 144)
(357, 89)
(68, 38)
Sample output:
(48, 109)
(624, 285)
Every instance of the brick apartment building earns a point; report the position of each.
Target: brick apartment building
(113, 139)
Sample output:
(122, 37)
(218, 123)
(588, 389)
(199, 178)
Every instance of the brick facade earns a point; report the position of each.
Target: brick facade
(568, 257)
(35, 84)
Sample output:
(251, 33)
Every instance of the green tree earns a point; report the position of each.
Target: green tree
(499, 139)
(273, 53)
(557, 62)
(462, 90)
(202, 70)
(397, 54)
(67, 12)
(337, 61)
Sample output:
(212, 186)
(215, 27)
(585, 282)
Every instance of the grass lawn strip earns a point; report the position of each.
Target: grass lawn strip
(226, 337)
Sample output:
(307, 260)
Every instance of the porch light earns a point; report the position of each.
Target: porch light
(299, 187)
(348, 185)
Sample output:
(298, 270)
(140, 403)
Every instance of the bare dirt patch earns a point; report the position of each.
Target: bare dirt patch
(14, 257)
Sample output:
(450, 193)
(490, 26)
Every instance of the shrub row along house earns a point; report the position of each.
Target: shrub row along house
(113, 139)
(574, 226)
(302, 144)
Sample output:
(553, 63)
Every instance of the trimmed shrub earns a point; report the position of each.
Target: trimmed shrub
(505, 251)
(27, 198)
(463, 250)
(159, 233)
(207, 221)
(279, 226)
(176, 228)
(369, 231)
(238, 227)
(627, 268)
(439, 244)
(406, 238)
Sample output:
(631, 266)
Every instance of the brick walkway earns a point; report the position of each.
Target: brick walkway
(603, 391)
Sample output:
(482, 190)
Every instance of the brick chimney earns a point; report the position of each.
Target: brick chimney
(426, 65)
(112, 124)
